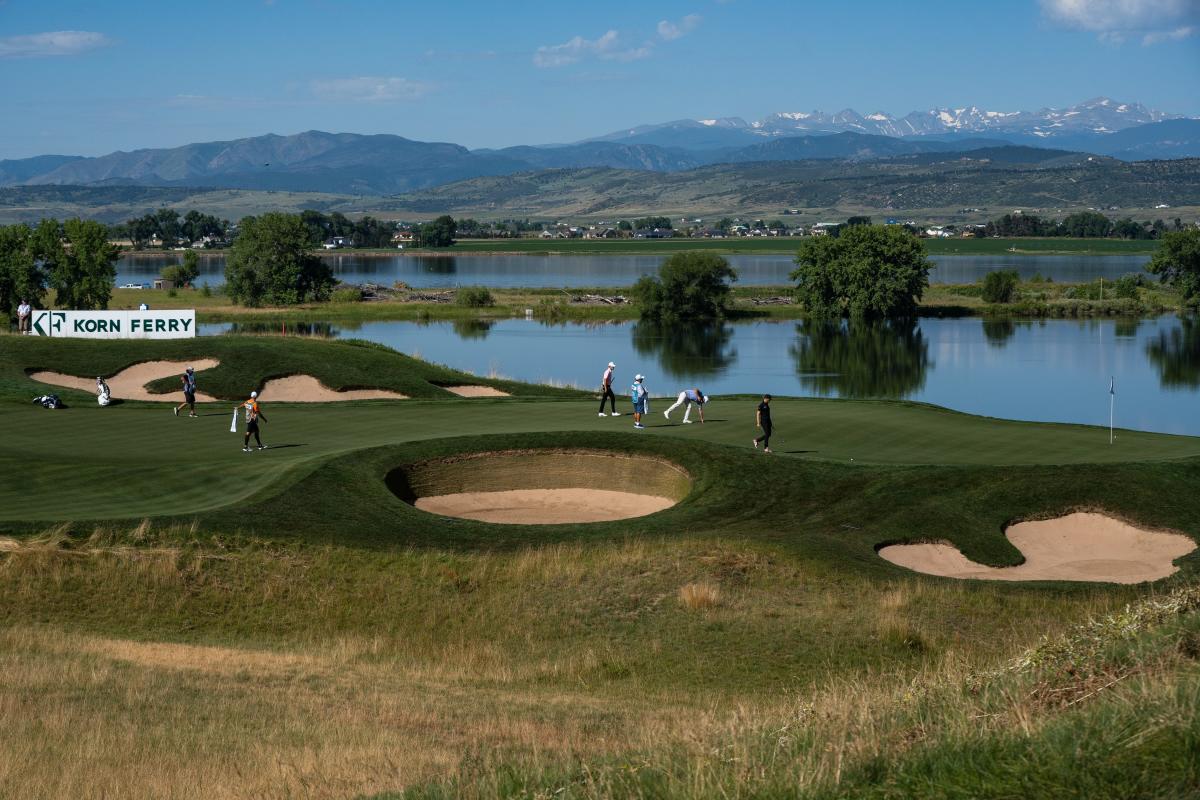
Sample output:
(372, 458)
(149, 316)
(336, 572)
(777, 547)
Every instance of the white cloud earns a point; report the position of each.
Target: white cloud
(670, 31)
(51, 43)
(1183, 32)
(370, 89)
(609, 47)
(1114, 21)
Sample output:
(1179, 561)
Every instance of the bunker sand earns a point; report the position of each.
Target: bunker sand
(307, 389)
(475, 391)
(1077, 547)
(130, 383)
(544, 506)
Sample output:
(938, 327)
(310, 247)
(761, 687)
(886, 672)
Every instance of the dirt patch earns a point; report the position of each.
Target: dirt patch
(544, 506)
(476, 391)
(307, 389)
(8, 545)
(130, 383)
(1077, 547)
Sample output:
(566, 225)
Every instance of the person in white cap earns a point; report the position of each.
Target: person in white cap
(641, 398)
(253, 415)
(687, 398)
(606, 392)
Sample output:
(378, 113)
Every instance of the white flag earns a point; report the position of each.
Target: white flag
(233, 424)
(1112, 385)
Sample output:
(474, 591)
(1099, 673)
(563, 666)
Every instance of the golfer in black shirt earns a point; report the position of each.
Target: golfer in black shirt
(762, 418)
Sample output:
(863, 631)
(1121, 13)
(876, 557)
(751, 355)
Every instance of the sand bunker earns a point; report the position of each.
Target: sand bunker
(544, 506)
(541, 487)
(130, 383)
(307, 389)
(1077, 547)
(476, 391)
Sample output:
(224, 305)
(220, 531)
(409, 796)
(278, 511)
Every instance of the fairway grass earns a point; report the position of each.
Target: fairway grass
(282, 623)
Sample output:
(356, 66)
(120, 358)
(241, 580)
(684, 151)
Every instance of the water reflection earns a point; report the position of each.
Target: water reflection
(686, 350)
(861, 359)
(998, 331)
(1126, 327)
(472, 328)
(1176, 354)
(322, 330)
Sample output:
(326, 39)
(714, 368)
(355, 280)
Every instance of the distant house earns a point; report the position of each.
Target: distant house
(653, 233)
(938, 232)
(601, 233)
(708, 233)
(337, 242)
(403, 237)
(823, 228)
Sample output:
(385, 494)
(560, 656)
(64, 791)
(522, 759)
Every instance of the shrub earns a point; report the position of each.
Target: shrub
(347, 294)
(1126, 286)
(172, 293)
(688, 286)
(699, 596)
(474, 297)
(206, 291)
(1000, 286)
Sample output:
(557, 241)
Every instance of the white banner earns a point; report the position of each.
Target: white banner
(177, 324)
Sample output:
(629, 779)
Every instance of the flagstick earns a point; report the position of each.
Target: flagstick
(1112, 399)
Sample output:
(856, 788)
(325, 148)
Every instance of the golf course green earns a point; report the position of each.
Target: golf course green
(290, 608)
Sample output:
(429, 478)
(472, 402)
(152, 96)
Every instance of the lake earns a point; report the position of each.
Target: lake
(531, 271)
(1047, 370)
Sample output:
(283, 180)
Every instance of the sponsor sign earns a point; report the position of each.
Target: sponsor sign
(115, 324)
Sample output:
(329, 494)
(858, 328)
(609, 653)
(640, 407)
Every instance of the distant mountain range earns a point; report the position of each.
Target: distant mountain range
(384, 164)
(1095, 117)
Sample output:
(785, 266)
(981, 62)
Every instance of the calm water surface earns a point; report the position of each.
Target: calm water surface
(1052, 370)
(519, 271)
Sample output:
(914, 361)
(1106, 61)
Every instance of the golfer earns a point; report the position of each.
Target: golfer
(762, 418)
(606, 392)
(24, 316)
(188, 380)
(253, 415)
(641, 398)
(687, 398)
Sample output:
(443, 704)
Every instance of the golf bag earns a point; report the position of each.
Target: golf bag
(104, 395)
(48, 401)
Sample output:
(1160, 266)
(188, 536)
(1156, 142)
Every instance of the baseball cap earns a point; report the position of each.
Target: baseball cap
(611, 364)
(639, 377)
(254, 394)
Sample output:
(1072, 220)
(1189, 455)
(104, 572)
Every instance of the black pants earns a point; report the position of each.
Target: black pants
(610, 397)
(765, 439)
(252, 428)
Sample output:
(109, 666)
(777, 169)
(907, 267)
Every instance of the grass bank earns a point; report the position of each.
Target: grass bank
(1033, 299)
(280, 623)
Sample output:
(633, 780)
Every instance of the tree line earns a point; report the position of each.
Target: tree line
(1083, 225)
(74, 258)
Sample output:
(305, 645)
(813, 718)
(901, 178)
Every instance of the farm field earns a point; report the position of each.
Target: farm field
(285, 622)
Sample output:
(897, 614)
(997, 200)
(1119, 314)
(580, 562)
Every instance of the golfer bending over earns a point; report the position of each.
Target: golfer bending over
(640, 398)
(687, 398)
(606, 392)
(762, 418)
(253, 414)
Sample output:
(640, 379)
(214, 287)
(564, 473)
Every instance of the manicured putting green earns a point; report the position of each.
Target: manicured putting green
(134, 460)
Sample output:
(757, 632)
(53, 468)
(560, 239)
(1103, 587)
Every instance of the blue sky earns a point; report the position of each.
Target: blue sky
(88, 78)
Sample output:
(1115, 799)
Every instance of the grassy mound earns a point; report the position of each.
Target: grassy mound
(246, 363)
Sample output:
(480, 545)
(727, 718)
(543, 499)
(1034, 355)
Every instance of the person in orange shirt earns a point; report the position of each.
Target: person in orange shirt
(253, 415)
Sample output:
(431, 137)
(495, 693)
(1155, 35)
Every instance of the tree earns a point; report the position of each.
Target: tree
(183, 274)
(858, 221)
(21, 276)
(439, 233)
(868, 271)
(270, 263)
(1000, 286)
(82, 273)
(1177, 263)
(688, 286)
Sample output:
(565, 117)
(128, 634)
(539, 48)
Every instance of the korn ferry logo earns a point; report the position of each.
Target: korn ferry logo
(49, 323)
